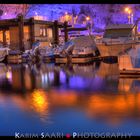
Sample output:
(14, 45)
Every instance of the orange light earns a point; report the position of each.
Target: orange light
(8, 75)
(66, 17)
(39, 101)
(87, 18)
(128, 10)
(63, 99)
(118, 106)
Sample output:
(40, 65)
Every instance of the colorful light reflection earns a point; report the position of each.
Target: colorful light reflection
(39, 101)
(9, 75)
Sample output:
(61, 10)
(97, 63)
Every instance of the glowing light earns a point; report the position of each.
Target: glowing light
(8, 75)
(5, 14)
(128, 10)
(36, 13)
(67, 17)
(87, 18)
(130, 16)
(39, 101)
(62, 77)
(39, 17)
(51, 76)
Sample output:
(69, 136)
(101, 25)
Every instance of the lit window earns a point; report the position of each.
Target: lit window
(43, 31)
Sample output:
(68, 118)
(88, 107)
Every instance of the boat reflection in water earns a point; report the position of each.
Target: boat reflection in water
(115, 109)
(67, 98)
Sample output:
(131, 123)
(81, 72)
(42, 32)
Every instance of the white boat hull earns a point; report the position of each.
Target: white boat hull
(113, 50)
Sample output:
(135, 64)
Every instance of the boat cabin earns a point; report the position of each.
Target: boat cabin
(21, 33)
(119, 33)
(119, 30)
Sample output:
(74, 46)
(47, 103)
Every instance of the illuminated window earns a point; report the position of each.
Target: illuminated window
(43, 31)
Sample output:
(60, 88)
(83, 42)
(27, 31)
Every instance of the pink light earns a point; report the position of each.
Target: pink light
(35, 13)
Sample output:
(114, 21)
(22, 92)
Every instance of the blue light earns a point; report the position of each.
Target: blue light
(62, 77)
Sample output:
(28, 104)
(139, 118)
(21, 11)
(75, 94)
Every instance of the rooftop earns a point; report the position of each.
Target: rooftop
(119, 26)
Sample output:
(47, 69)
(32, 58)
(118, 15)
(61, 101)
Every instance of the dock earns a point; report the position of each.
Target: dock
(83, 60)
(129, 73)
(14, 57)
(127, 67)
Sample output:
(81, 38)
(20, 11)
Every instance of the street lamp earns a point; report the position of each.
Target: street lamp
(66, 16)
(89, 23)
(87, 18)
(130, 15)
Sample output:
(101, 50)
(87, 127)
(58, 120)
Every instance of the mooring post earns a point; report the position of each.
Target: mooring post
(21, 32)
(56, 33)
(136, 32)
(32, 32)
(4, 37)
(66, 31)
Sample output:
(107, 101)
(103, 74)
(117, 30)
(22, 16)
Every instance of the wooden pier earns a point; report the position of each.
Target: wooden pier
(83, 60)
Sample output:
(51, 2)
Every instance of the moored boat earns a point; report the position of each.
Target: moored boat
(78, 50)
(117, 39)
(129, 64)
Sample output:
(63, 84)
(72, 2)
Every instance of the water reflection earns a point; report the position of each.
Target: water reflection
(24, 77)
(39, 91)
(38, 101)
(115, 109)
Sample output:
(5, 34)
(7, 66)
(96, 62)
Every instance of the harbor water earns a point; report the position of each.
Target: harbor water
(50, 98)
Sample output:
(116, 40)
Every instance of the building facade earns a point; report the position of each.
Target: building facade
(21, 33)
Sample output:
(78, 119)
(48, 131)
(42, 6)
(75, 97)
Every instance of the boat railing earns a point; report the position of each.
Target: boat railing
(131, 31)
(133, 42)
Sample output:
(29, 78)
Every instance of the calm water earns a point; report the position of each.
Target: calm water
(79, 98)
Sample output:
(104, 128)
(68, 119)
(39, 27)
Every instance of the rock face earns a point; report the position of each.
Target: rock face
(101, 14)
